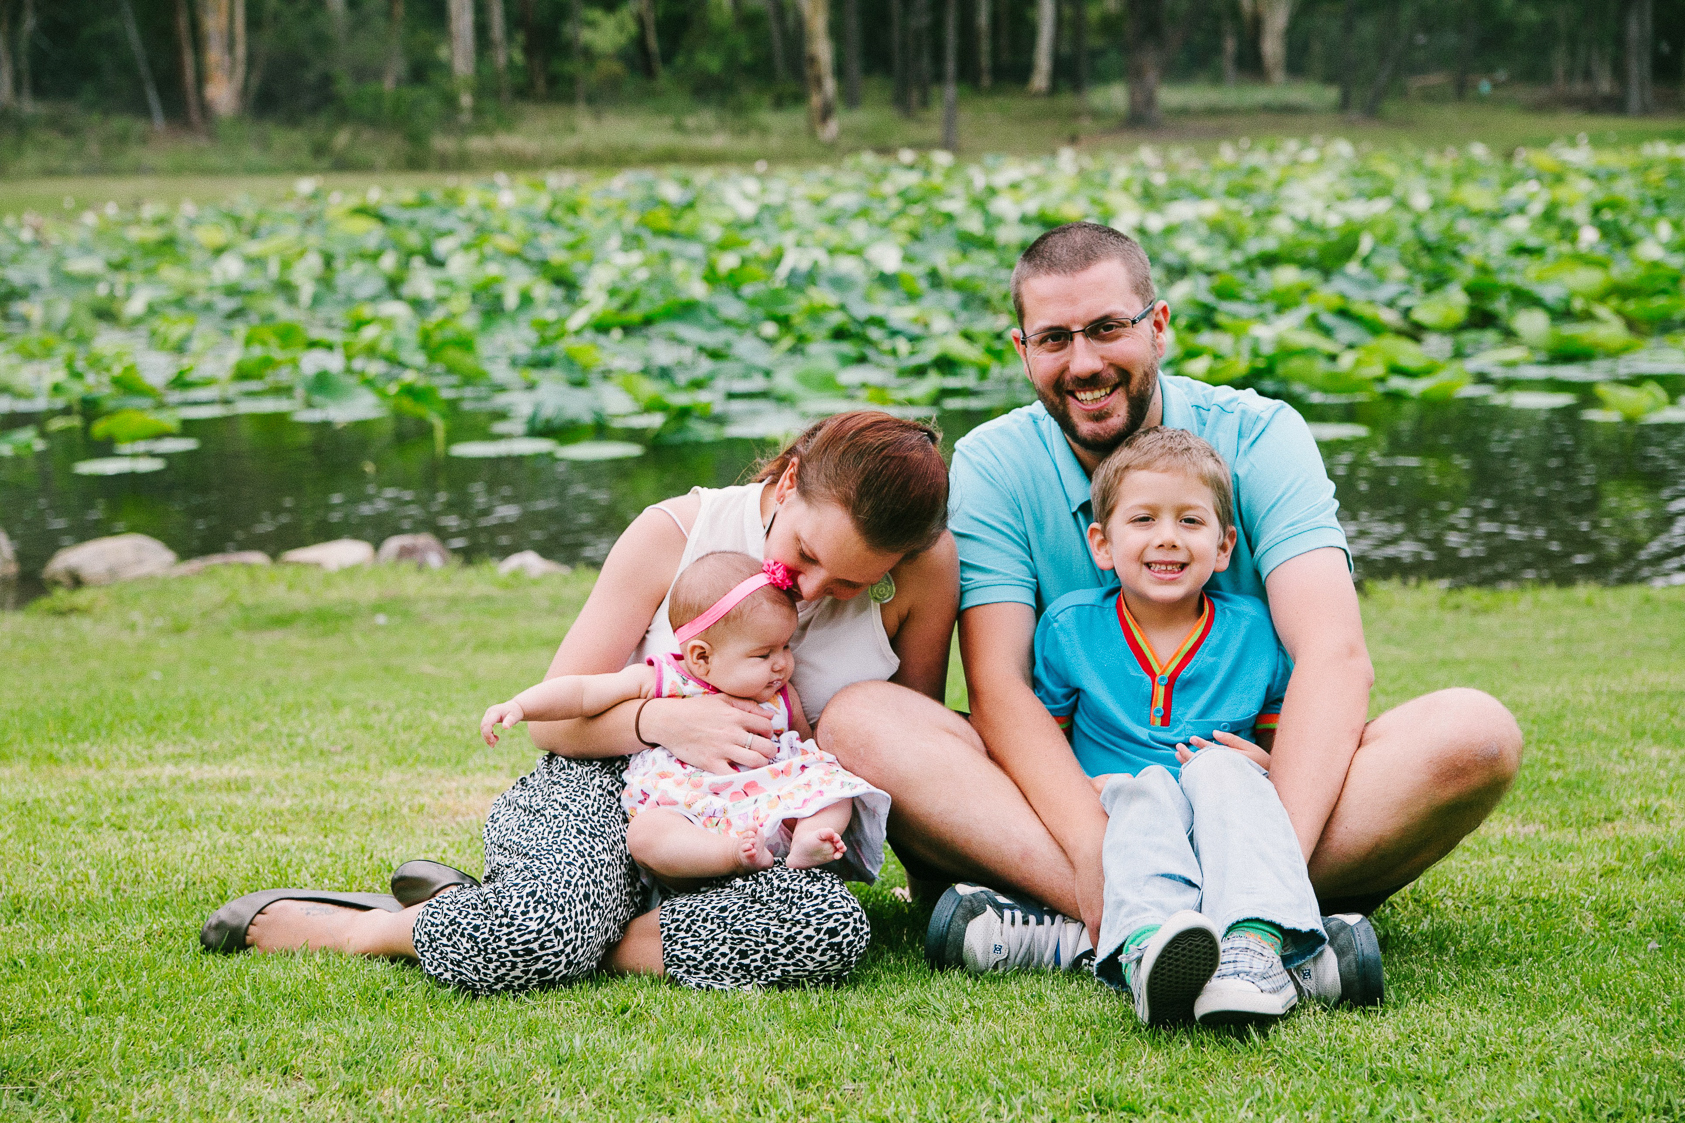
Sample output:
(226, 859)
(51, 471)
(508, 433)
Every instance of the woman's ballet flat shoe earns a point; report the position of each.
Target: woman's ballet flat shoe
(421, 880)
(225, 931)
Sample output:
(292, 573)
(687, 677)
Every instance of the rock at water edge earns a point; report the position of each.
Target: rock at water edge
(8, 558)
(423, 550)
(238, 557)
(341, 553)
(531, 563)
(101, 561)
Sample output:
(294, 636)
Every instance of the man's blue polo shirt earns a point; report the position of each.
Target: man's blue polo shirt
(1019, 506)
(1128, 707)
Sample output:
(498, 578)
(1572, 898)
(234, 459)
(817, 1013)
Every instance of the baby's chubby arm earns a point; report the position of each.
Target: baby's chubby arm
(569, 696)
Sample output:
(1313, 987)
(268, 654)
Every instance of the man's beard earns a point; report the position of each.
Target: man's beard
(1138, 393)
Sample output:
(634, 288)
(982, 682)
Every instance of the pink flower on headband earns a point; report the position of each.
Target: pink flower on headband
(778, 575)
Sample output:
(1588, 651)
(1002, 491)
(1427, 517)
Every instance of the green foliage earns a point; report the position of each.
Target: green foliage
(707, 298)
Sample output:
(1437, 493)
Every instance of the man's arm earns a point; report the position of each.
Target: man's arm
(996, 643)
(1314, 607)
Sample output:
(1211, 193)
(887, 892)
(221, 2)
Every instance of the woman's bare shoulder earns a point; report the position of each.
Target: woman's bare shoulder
(679, 511)
(930, 572)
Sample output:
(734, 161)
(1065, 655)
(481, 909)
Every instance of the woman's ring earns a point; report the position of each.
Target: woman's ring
(749, 741)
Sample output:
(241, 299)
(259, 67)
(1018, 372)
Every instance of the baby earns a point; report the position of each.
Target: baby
(1207, 899)
(732, 619)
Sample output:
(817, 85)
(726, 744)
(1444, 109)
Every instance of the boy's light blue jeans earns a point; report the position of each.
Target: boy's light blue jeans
(1218, 841)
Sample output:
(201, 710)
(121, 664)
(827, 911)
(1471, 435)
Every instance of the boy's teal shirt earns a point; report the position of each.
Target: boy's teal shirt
(1019, 506)
(1128, 707)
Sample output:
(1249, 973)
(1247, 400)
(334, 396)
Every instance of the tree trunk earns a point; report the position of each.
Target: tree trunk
(851, 53)
(576, 40)
(1348, 55)
(153, 106)
(1041, 71)
(462, 57)
(1079, 43)
(189, 72)
(819, 69)
(222, 33)
(1466, 35)
(1231, 48)
(921, 54)
(1272, 38)
(1146, 60)
(8, 81)
(985, 69)
(497, 31)
(26, 88)
(775, 27)
(1640, 20)
(951, 75)
(1559, 54)
(1396, 33)
(394, 73)
(535, 48)
(339, 20)
(648, 46)
(898, 57)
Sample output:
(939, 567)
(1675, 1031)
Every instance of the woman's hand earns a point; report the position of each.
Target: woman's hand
(712, 732)
(501, 716)
(1225, 740)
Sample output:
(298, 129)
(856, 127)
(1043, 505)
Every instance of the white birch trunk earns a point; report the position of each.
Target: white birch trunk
(462, 57)
(1041, 72)
(1272, 38)
(985, 68)
(820, 70)
(222, 47)
(497, 31)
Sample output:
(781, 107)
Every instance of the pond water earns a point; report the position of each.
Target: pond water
(1465, 491)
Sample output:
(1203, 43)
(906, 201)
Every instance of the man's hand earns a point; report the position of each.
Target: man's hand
(1225, 740)
(713, 733)
(504, 715)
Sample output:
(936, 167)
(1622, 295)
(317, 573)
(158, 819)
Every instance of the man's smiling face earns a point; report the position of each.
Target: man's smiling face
(1099, 395)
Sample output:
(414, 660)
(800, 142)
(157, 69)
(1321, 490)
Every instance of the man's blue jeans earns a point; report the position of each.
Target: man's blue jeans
(1217, 841)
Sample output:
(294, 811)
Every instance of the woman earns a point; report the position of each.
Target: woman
(856, 507)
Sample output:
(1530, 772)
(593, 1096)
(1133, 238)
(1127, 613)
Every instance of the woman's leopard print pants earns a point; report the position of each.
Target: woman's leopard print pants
(560, 888)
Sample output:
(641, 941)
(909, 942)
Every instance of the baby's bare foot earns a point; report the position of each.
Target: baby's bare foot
(753, 854)
(810, 850)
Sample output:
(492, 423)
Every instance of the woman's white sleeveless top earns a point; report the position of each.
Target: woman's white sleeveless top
(837, 642)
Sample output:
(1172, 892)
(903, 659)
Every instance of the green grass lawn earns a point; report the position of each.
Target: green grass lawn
(167, 745)
(127, 165)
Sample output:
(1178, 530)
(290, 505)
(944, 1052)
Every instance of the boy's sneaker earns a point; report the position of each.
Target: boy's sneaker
(981, 930)
(1251, 986)
(1348, 968)
(1168, 972)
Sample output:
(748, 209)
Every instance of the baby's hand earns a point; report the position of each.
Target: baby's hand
(503, 715)
(1099, 781)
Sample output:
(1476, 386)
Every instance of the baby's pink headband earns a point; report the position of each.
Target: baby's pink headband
(774, 573)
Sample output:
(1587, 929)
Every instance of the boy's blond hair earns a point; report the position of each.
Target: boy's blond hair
(1161, 449)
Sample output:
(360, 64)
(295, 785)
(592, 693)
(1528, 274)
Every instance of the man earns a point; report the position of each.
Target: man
(1000, 800)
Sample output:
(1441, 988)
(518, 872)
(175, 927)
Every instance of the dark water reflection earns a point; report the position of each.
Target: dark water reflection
(1467, 492)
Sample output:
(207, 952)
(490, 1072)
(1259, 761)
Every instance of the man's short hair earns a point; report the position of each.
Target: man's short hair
(1162, 449)
(1076, 246)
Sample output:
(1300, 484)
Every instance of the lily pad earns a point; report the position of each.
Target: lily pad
(1325, 431)
(118, 465)
(205, 411)
(1534, 399)
(339, 415)
(511, 446)
(265, 405)
(1672, 415)
(158, 446)
(599, 450)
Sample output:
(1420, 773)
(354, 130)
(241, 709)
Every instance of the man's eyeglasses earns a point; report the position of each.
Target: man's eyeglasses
(1056, 341)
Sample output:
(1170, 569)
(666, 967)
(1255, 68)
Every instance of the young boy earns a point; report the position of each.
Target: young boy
(1207, 897)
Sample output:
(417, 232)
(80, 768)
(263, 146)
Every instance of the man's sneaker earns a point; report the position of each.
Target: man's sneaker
(981, 930)
(1348, 968)
(1251, 986)
(1165, 974)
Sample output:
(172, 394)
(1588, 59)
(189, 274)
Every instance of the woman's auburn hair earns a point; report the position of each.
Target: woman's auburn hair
(886, 472)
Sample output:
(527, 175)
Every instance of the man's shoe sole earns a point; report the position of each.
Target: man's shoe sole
(1363, 980)
(1222, 1004)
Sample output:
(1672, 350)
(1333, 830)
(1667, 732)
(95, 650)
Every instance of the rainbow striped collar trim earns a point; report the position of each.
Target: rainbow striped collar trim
(1164, 675)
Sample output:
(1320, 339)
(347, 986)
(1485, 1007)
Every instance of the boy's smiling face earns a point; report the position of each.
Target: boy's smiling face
(1163, 538)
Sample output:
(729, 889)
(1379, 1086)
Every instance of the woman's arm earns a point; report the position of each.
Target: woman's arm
(927, 599)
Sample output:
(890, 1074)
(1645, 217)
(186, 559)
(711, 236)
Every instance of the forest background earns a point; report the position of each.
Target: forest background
(89, 86)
